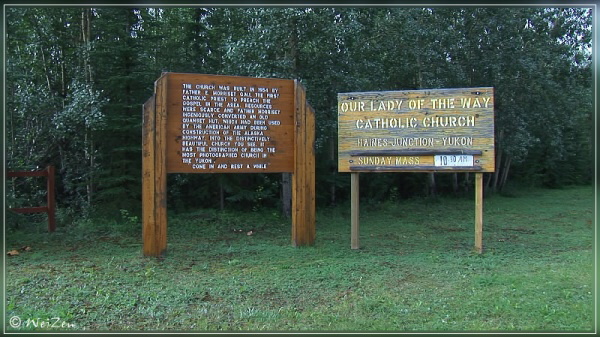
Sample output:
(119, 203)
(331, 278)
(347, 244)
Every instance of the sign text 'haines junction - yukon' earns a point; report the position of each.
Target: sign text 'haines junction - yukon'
(229, 124)
(416, 130)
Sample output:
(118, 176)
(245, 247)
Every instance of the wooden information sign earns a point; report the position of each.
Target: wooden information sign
(432, 130)
(416, 130)
(230, 124)
(196, 123)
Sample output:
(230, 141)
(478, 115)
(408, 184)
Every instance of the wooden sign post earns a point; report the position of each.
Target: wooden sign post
(433, 130)
(197, 123)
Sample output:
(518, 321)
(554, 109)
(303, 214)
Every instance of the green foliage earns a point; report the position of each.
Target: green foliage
(83, 111)
(77, 77)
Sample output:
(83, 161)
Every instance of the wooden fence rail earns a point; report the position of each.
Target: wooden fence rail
(50, 207)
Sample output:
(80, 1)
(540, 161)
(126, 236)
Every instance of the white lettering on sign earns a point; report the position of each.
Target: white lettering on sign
(234, 119)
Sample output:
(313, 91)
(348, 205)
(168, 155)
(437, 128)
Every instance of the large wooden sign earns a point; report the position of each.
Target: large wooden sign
(433, 130)
(229, 124)
(197, 123)
(416, 130)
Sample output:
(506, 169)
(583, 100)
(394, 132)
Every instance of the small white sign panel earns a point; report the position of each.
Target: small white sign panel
(453, 160)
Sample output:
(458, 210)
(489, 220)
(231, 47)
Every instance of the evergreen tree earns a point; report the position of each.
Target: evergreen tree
(77, 77)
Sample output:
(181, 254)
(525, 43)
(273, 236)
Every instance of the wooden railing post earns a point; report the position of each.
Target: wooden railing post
(50, 207)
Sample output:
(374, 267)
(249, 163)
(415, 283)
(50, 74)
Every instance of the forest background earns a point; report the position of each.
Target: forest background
(76, 79)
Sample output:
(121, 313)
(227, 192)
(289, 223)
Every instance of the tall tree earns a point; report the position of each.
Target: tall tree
(76, 78)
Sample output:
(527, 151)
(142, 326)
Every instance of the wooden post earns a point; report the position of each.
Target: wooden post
(160, 164)
(310, 192)
(51, 200)
(354, 210)
(303, 178)
(479, 212)
(154, 172)
(148, 195)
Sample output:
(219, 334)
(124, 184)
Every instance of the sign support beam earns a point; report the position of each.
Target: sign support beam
(354, 210)
(303, 178)
(479, 213)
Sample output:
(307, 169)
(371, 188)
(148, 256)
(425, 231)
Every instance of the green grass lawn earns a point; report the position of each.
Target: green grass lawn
(416, 270)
